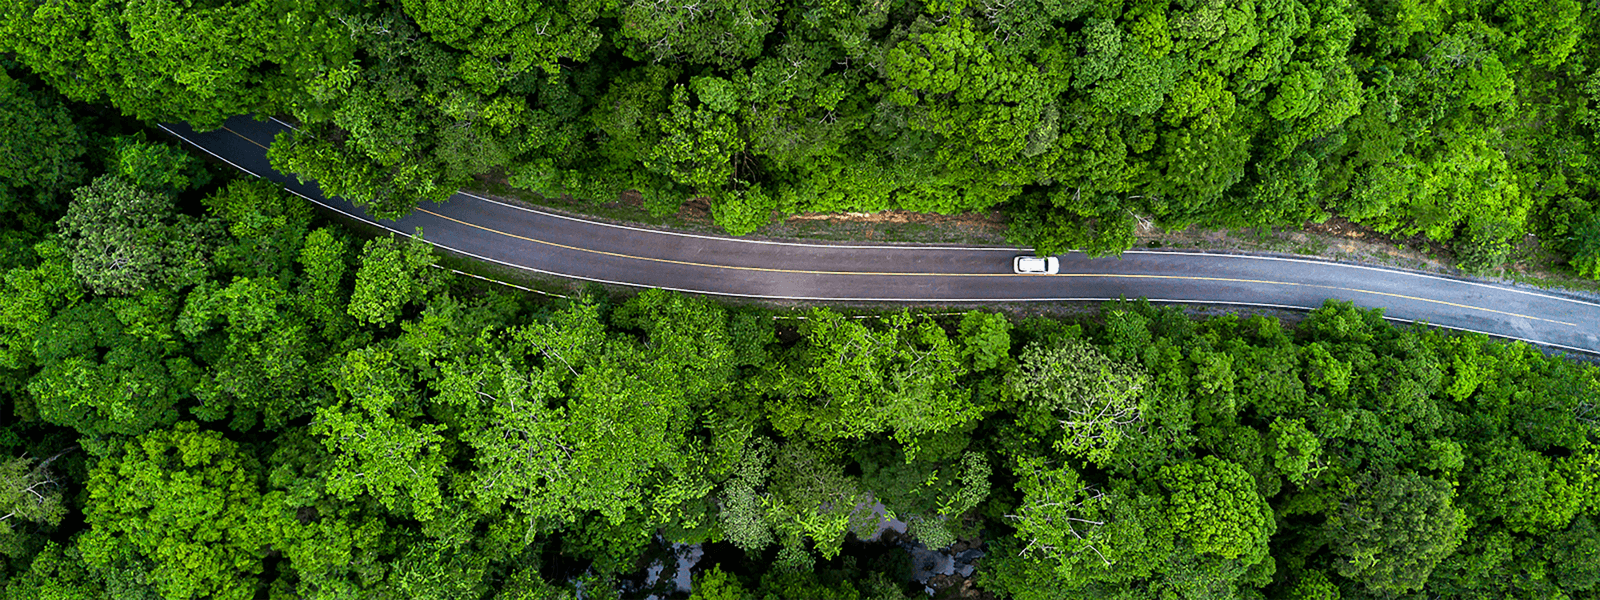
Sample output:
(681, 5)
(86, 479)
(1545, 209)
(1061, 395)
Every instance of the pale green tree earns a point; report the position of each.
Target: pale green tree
(854, 380)
(123, 239)
(30, 498)
(1213, 504)
(1089, 401)
(379, 444)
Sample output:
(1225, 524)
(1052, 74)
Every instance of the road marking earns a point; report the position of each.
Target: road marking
(707, 265)
(891, 274)
(1019, 249)
(1589, 351)
(1330, 263)
(497, 281)
(219, 157)
(743, 240)
(241, 136)
(986, 248)
(880, 274)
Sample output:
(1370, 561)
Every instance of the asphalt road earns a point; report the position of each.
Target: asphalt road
(558, 245)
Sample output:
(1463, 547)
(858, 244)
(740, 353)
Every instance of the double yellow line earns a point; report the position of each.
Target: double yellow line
(888, 274)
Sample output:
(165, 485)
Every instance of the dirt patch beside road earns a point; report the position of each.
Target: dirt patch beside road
(1336, 238)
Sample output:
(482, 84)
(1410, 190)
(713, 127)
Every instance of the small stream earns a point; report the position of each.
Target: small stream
(932, 569)
(927, 565)
(687, 556)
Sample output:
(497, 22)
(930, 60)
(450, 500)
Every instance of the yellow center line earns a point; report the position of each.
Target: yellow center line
(1104, 275)
(244, 138)
(881, 274)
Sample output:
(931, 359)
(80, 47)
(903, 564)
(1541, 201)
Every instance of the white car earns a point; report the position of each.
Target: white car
(1036, 265)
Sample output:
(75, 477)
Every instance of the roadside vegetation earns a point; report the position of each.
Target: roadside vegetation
(210, 392)
(1471, 123)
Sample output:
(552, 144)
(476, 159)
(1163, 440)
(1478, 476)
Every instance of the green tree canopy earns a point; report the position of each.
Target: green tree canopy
(1393, 530)
(184, 503)
(123, 239)
(1085, 400)
(40, 158)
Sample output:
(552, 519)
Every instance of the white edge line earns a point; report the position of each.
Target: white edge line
(1019, 249)
(1508, 337)
(682, 234)
(926, 300)
(1011, 249)
(734, 239)
(980, 300)
(1372, 268)
(975, 248)
(219, 157)
(495, 281)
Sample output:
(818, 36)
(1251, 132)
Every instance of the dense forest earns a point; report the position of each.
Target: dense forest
(1469, 122)
(209, 391)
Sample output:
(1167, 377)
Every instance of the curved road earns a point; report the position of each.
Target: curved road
(543, 242)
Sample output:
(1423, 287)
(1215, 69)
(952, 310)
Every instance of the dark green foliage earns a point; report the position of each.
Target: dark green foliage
(199, 63)
(436, 449)
(155, 166)
(1585, 243)
(1392, 530)
(39, 155)
(212, 394)
(1472, 123)
(1389, 462)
